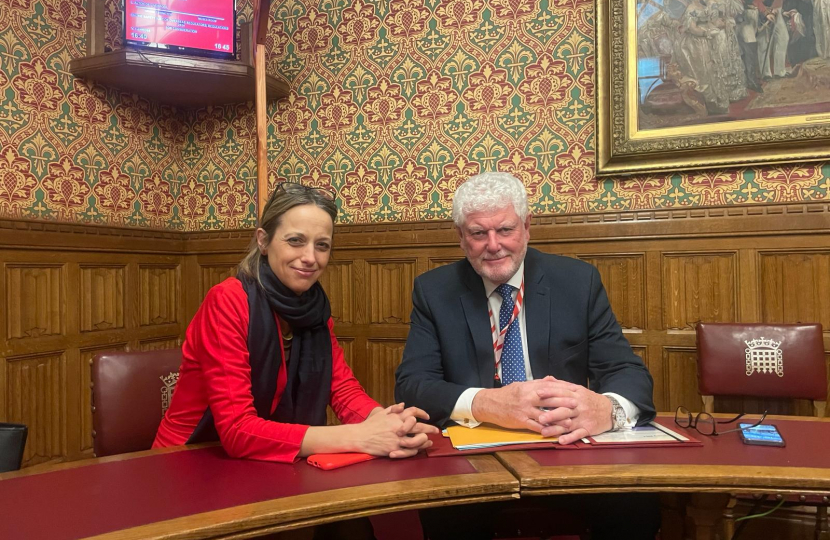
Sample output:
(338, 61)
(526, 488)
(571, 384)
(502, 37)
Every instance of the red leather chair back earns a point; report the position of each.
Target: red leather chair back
(762, 360)
(130, 391)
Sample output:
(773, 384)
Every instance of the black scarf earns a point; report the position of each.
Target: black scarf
(307, 389)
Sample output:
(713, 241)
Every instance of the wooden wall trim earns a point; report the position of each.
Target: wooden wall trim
(753, 220)
(724, 221)
(48, 235)
(786, 219)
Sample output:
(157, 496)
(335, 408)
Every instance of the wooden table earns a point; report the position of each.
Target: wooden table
(202, 493)
(199, 492)
(722, 466)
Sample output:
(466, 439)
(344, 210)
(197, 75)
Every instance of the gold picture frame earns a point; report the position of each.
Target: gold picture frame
(625, 148)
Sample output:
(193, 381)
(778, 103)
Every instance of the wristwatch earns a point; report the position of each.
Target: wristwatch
(618, 416)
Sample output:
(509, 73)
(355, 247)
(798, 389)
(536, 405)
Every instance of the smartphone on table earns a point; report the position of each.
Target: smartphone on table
(765, 435)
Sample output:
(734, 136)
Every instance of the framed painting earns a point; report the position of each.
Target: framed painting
(684, 84)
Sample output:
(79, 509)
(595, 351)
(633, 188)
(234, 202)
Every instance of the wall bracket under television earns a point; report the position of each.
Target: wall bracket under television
(168, 77)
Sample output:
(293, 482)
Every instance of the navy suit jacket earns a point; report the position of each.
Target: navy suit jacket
(572, 334)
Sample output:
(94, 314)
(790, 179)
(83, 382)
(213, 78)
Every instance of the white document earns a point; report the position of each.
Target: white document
(653, 432)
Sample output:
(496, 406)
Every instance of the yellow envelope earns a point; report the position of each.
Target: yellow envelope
(487, 435)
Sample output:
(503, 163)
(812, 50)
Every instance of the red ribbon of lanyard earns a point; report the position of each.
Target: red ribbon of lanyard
(498, 337)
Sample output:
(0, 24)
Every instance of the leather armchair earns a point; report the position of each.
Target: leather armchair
(764, 361)
(12, 444)
(130, 392)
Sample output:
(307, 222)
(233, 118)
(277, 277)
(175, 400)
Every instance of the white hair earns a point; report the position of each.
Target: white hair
(489, 191)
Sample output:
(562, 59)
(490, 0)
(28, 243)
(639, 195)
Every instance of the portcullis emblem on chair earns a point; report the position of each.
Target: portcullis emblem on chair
(764, 356)
(170, 381)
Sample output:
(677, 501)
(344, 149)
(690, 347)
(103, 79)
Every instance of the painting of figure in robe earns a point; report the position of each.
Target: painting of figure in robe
(712, 61)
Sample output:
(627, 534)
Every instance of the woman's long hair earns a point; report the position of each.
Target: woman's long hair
(286, 196)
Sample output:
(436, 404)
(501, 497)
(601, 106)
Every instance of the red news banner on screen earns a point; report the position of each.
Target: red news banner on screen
(207, 25)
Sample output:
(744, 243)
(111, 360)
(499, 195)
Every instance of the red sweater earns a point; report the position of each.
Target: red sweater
(215, 371)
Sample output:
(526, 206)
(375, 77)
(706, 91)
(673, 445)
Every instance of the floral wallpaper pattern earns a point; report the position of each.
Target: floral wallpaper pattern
(393, 103)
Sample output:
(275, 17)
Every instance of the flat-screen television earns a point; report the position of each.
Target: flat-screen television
(195, 27)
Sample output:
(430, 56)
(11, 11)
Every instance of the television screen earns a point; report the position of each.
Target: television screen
(200, 27)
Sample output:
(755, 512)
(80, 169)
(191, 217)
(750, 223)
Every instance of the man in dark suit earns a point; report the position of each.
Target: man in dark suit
(511, 336)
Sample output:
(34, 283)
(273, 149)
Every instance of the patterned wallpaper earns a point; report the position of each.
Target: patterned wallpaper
(393, 103)
(81, 152)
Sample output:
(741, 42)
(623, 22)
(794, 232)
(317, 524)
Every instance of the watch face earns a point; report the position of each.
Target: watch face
(618, 414)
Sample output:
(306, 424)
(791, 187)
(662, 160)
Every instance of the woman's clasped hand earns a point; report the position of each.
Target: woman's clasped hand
(394, 432)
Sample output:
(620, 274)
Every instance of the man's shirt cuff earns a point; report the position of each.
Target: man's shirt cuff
(462, 414)
(632, 412)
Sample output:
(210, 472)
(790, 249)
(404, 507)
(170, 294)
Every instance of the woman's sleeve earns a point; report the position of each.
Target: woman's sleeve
(221, 346)
(349, 401)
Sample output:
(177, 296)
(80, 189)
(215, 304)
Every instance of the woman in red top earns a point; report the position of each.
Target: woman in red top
(260, 362)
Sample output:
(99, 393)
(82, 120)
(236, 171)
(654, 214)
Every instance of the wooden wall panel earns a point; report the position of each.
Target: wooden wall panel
(624, 279)
(35, 301)
(36, 391)
(377, 369)
(159, 294)
(390, 290)
(642, 352)
(680, 367)
(215, 274)
(757, 406)
(794, 287)
(435, 262)
(347, 344)
(77, 289)
(102, 298)
(699, 288)
(157, 344)
(338, 282)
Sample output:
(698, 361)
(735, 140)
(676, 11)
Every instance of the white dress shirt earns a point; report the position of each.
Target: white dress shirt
(462, 413)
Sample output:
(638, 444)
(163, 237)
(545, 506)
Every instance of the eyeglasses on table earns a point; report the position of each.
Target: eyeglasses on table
(706, 424)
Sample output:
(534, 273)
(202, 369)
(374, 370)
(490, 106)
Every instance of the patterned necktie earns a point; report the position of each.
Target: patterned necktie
(512, 359)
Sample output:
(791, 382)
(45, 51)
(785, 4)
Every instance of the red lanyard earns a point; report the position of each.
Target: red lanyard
(498, 337)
